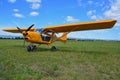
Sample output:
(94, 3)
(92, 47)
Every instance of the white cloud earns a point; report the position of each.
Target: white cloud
(15, 10)
(18, 15)
(91, 12)
(35, 4)
(71, 19)
(94, 17)
(12, 1)
(111, 11)
(34, 1)
(34, 13)
(114, 12)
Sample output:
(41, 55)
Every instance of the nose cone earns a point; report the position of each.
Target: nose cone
(24, 33)
(26, 36)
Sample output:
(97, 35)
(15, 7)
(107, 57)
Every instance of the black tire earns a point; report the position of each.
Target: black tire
(31, 48)
(53, 48)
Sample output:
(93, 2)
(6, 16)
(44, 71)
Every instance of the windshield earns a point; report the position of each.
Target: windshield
(39, 30)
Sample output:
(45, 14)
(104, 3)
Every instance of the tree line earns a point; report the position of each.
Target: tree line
(11, 37)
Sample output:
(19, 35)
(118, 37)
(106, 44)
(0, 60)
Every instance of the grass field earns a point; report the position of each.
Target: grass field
(74, 60)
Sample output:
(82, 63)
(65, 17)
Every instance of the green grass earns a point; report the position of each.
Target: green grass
(74, 60)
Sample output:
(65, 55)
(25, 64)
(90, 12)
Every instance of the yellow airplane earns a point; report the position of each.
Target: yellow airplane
(47, 35)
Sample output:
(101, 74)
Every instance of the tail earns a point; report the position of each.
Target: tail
(63, 38)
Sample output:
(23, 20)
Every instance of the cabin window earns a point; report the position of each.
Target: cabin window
(45, 37)
(39, 30)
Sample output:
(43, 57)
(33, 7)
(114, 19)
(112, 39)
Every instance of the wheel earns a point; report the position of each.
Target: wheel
(53, 48)
(31, 48)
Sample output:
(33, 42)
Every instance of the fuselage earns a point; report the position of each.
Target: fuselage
(38, 36)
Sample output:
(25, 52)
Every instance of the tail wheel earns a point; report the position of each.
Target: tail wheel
(53, 48)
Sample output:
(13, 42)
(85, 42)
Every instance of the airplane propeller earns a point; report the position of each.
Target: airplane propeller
(20, 30)
(30, 27)
(25, 32)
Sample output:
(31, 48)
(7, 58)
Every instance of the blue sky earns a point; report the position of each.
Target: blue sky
(44, 13)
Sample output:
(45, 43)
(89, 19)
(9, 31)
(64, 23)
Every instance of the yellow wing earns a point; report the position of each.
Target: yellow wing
(15, 30)
(102, 24)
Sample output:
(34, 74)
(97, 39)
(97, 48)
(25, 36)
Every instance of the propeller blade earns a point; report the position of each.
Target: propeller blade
(30, 27)
(20, 30)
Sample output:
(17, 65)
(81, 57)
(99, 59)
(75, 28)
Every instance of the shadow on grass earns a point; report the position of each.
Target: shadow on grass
(63, 49)
(59, 49)
(40, 49)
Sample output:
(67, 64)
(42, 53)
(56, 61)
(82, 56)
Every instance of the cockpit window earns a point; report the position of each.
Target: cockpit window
(39, 30)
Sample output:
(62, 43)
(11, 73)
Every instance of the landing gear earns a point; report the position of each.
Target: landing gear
(53, 48)
(30, 48)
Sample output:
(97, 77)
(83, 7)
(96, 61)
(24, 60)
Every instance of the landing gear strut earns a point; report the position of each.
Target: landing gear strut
(30, 48)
